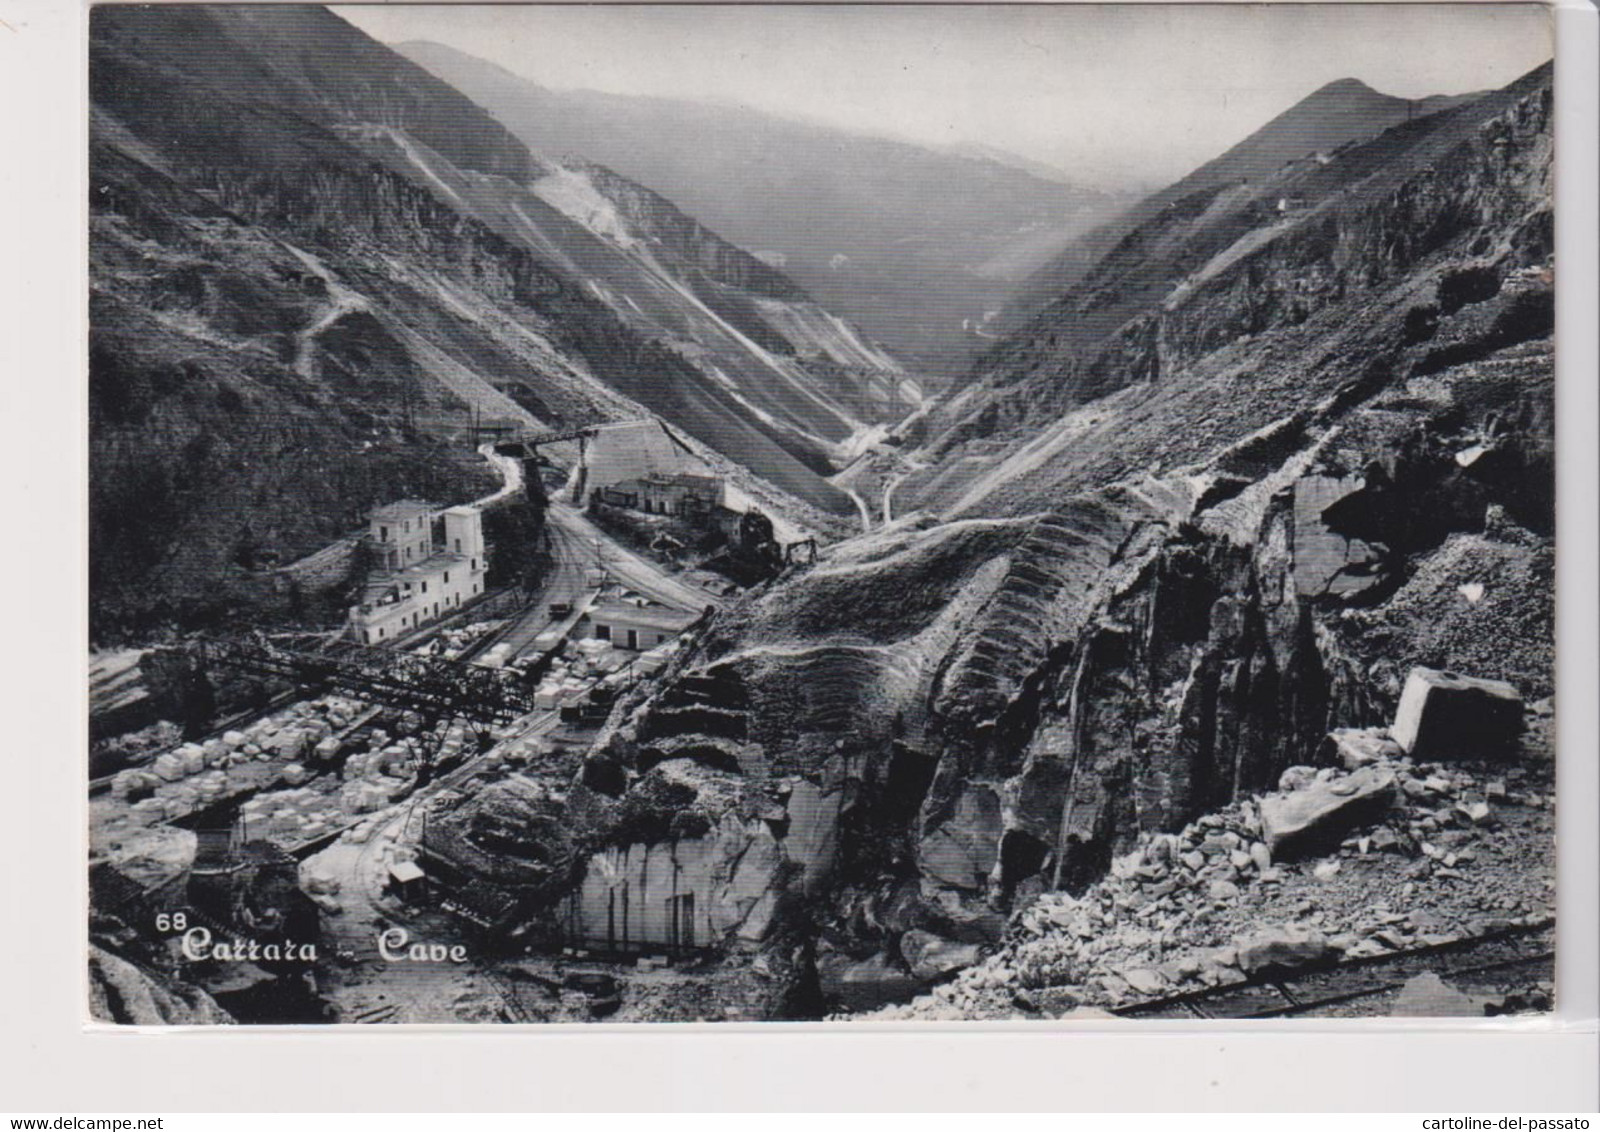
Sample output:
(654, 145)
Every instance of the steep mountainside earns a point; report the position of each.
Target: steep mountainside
(311, 260)
(1244, 515)
(1335, 115)
(1248, 284)
(916, 245)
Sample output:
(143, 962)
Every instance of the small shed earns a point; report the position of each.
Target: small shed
(407, 881)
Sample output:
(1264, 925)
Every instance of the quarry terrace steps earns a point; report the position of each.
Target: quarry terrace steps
(844, 689)
(847, 689)
(855, 689)
(691, 719)
(705, 717)
(1050, 590)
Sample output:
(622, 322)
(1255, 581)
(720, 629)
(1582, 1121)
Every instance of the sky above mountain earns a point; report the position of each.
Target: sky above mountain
(1116, 95)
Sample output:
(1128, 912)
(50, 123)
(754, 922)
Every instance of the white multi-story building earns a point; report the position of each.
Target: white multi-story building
(418, 577)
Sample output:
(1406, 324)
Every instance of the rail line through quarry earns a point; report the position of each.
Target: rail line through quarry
(1526, 947)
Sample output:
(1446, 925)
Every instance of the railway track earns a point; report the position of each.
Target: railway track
(1524, 954)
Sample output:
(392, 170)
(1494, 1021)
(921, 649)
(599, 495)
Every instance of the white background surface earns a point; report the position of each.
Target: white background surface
(49, 1062)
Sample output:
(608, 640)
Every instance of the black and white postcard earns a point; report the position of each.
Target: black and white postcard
(635, 514)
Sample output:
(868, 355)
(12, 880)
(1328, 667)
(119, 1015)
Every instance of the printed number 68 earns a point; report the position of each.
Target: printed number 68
(171, 921)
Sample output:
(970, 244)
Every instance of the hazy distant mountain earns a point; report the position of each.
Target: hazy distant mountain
(916, 245)
(1334, 115)
(978, 151)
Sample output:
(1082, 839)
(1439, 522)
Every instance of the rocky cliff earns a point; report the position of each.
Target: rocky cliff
(123, 994)
(1291, 286)
(1321, 456)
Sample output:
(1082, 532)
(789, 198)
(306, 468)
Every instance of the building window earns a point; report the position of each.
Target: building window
(424, 587)
(602, 632)
(447, 577)
(383, 534)
(366, 636)
(380, 634)
(633, 638)
(458, 546)
(474, 564)
(661, 638)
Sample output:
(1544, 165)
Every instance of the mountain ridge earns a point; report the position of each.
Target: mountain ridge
(1237, 258)
(916, 245)
(1335, 114)
(283, 256)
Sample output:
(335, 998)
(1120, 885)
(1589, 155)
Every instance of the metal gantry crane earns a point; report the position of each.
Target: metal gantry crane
(424, 683)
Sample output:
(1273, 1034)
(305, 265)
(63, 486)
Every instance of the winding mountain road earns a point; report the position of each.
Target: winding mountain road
(511, 475)
(341, 301)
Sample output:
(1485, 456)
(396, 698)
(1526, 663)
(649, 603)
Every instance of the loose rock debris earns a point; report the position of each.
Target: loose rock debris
(1394, 856)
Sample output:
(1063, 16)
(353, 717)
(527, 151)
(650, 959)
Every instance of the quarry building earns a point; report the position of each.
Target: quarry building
(681, 494)
(636, 627)
(425, 564)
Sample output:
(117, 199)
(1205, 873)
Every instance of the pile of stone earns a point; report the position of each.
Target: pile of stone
(291, 817)
(520, 751)
(194, 775)
(653, 661)
(451, 643)
(319, 881)
(166, 801)
(564, 683)
(453, 737)
(381, 775)
(582, 663)
(597, 658)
